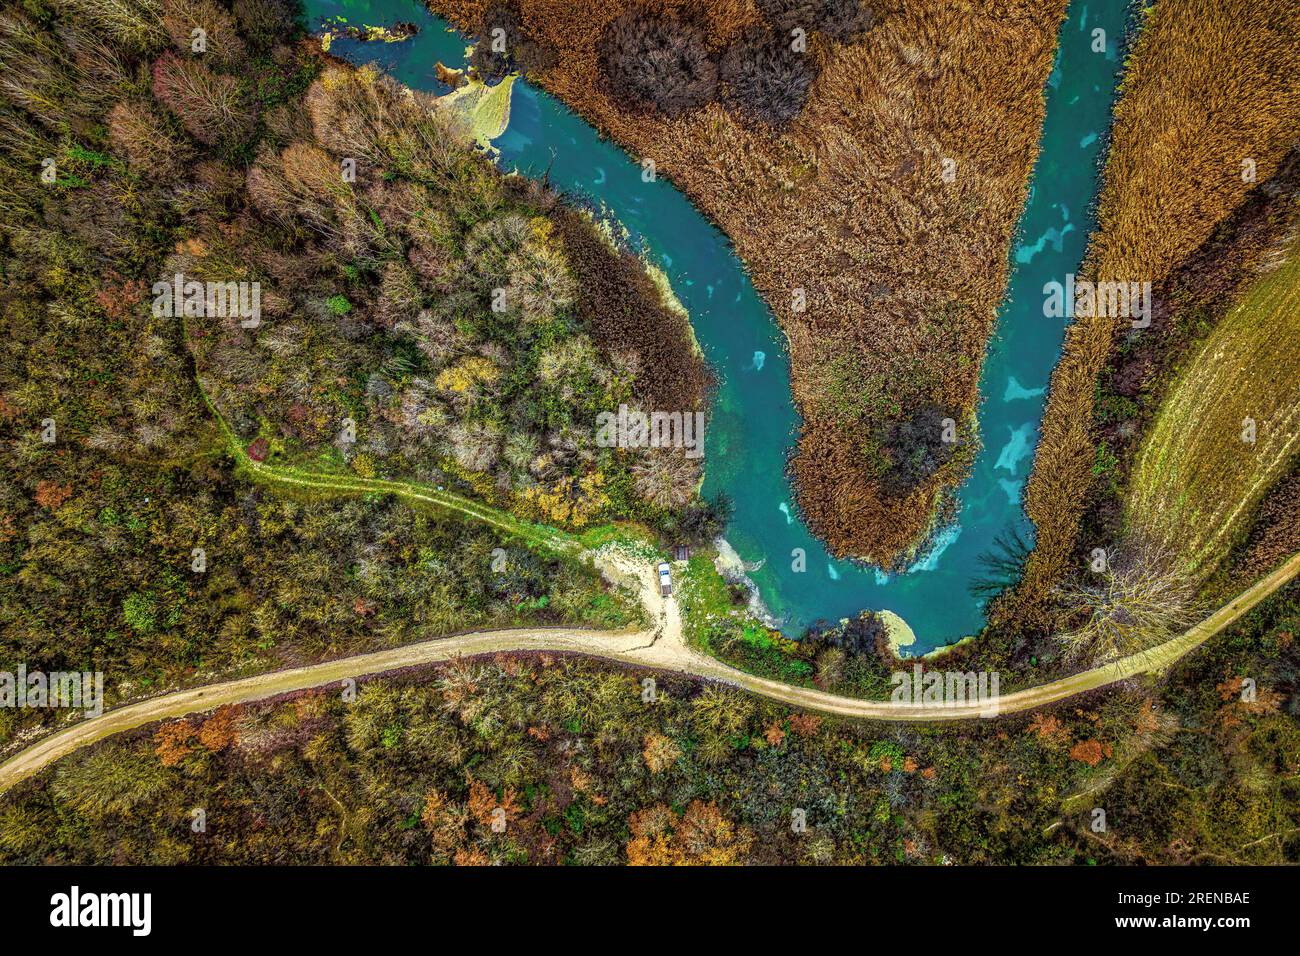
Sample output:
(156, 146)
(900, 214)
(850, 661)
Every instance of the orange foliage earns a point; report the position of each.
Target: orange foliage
(173, 742)
(218, 731)
(1229, 689)
(703, 836)
(51, 494)
(1091, 752)
(805, 725)
(1049, 729)
(1146, 722)
(483, 803)
(1266, 701)
(119, 301)
(580, 781)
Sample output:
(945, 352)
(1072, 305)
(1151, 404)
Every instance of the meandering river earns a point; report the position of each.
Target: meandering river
(754, 424)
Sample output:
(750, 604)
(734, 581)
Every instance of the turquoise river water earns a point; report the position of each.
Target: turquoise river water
(754, 424)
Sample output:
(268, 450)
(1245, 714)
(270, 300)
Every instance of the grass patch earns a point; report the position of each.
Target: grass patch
(716, 621)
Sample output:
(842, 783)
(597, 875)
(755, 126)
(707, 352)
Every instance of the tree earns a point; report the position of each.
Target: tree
(173, 742)
(660, 752)
(1141, 598)
(860, 635)
(838, 19)
(138, 131)
(52, 495)
(703, 835)
(503, 47)
(1091, 752)
(109, 781)
(265, 22)
(764, 78)
(181, 18)
(844, 20)
(919, 445)
(705, 519)
(208, 104)
(1003, 564)
(219, 731)
(665, 477)
(657, 61)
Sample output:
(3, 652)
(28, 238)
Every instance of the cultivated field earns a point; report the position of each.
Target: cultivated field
(1229, 428)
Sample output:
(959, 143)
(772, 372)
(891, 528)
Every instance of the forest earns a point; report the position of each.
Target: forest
(544, 759)
(129, 543)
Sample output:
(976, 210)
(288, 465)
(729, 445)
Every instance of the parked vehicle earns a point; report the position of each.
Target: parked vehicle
(665, 579)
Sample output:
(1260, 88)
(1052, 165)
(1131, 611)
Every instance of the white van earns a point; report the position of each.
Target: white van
(665, 579)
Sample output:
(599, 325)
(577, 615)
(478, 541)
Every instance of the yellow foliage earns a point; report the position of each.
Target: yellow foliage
(470, 371)
(542, 229)
(566, 502)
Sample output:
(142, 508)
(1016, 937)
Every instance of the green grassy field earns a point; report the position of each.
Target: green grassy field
(1199, 477)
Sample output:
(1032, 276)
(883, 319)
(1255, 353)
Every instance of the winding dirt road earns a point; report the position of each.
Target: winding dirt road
(661, 647)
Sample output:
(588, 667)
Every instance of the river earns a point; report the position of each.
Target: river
(754, 424)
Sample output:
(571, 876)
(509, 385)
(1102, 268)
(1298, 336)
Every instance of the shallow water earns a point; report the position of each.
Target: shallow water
(754, 425)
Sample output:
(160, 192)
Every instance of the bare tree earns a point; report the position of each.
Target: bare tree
(1141, 598)
(766, 79)
(658, 61)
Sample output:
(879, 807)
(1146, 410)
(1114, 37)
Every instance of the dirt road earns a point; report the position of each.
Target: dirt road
(659, 647)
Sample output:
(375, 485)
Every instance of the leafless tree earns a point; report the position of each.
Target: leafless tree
(658, 61)
(1142, 598)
